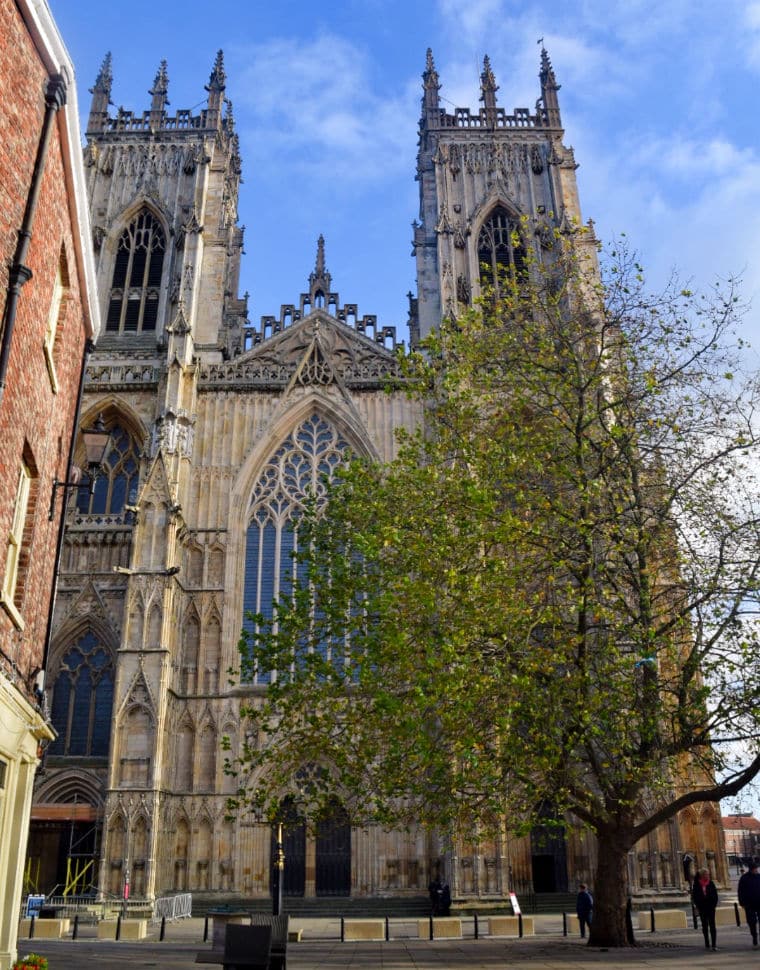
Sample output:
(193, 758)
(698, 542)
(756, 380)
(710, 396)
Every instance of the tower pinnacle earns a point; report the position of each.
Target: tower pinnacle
(431, 86)
(549, 89)
(215, 87)
(159, 96)
(488, 89)
(101, 96)
(320, 279)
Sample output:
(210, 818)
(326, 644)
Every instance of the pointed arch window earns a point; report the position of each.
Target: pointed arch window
(298, 470)
(501, 253)
(116, 485)
(135, 290)
(83, 700)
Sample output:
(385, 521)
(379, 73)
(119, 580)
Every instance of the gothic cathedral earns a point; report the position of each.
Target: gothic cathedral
(219, 430)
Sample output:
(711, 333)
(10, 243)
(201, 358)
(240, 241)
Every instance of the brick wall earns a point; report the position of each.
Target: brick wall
(35, 420)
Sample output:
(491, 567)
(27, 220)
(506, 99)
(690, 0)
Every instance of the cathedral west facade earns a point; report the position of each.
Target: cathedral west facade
(219, 431)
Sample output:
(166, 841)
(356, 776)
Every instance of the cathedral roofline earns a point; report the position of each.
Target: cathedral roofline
(155, 119)
(320, 296)
(490, 116)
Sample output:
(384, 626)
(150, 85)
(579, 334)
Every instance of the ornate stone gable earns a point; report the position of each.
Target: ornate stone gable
(317, 350)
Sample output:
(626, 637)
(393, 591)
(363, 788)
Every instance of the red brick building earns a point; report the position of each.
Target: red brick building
(48, 315)
(742, 832)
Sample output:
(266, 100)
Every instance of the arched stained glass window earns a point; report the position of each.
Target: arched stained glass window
(298, 470)
(133, 303)
(501, 254)
(116, 485)
(83, 700)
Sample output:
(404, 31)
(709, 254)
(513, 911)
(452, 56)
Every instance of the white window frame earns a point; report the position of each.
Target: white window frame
(48, 344)
(15, 543)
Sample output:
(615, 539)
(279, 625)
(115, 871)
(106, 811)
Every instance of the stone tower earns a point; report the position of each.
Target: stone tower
(219, 431)
(483, 174)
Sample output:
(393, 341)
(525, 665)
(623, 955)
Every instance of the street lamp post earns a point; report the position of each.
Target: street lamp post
(96, 440)
(278, 875)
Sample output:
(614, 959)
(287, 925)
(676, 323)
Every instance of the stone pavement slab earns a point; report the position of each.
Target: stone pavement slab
(669, 950)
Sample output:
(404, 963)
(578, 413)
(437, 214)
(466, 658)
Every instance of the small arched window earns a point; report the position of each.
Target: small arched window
(116, 485)
(83, 700)
(501, 254)
(133, 304)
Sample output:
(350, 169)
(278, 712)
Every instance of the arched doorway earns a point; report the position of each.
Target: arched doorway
(294, 848)
(548, 852)
(333, 852)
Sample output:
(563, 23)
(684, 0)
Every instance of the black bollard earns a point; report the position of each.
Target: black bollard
(75, 931)
(31, 927)
(342, 930)
(431, 927)
(162, 933)
(519, 925)
(564, 924)
(205, 930)
(629, 923)
(387, 929)
(118, 927)
(475, 918)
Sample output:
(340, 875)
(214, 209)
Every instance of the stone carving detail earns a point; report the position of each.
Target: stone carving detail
(536, 161)
(487, 158)
(173, 433)
(342, 353)
(133, 373)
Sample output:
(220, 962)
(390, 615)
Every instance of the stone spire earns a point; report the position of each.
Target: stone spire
(431, 87)
(320, 280)
(159, 95)
(215, 88)
(549, 89)
(101, 96)
(488, 89)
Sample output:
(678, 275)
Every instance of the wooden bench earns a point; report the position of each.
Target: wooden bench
(444, 928)
(280, 937)
(664, 919)
(247, 947)
(278, 946)
(363, 929)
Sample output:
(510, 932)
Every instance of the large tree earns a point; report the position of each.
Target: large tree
(547, 598)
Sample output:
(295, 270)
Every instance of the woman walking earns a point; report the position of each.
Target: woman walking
(704, 896)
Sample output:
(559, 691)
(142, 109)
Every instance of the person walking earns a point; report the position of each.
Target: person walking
(584, 908)
(704, 897)
(748, 892)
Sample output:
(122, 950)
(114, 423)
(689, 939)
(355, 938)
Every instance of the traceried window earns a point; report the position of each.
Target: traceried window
(133, 304)
(299, 469)
(116, 485)
(83, 700)
(501, 254)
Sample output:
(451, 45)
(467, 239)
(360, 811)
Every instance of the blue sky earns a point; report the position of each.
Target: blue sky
(658, 101)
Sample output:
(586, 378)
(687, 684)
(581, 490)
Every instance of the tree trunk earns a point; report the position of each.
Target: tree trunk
(610, 891)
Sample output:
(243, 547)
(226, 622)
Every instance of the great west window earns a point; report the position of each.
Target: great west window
(300, 468)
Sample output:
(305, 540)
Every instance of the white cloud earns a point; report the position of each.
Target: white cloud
(316, 103)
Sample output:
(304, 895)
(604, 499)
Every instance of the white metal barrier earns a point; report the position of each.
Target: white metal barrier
(173, 907)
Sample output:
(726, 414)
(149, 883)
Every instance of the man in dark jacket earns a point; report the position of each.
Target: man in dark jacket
(748, 891)
(584, 906)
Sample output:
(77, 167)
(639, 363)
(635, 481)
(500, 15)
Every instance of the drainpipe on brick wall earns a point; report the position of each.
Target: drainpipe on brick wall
(55, 98)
